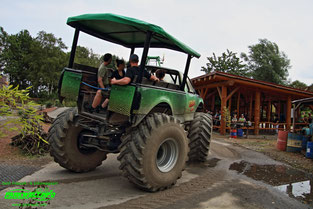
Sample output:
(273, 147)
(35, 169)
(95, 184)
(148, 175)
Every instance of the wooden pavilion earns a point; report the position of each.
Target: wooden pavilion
(262, 103)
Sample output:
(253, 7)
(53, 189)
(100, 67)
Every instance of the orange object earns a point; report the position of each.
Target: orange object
(282, 140)
(192, 103)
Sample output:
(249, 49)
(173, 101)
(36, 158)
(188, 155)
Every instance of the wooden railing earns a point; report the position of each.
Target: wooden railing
(266, 126)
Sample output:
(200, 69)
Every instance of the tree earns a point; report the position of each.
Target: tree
(46, 62)
(267, 63)
(298, 85)
(85, 56)
(35, 62)
(228, 63)
(310, 88)
(14, 57)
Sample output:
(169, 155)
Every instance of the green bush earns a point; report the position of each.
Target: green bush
(17, 104)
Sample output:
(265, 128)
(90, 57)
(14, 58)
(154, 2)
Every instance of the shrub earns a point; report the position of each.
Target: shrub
(18, 105)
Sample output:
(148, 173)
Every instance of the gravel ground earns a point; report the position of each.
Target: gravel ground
(268, 147)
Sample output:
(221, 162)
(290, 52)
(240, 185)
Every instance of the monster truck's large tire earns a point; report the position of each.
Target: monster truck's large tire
(199, 135)
(63, 138)
(153, 155)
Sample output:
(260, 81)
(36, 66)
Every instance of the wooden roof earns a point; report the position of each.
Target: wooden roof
(216, 79)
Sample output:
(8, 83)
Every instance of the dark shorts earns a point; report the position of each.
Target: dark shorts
(105, 94)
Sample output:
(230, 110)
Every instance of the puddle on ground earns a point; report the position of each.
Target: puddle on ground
(211, 163)
(295, 183)
(199, 168)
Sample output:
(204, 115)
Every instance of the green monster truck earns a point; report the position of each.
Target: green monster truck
(154, 126)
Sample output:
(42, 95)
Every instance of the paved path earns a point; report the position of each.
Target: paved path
(9, 173)
(207, 185)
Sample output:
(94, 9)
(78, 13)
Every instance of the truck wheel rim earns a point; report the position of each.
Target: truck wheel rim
(167, 155)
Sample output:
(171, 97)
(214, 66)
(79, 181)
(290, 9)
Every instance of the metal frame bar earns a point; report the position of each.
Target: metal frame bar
(182, 87)
(144, 56)
(73, 50)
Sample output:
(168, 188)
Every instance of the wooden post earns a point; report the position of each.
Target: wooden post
(250, 108)
(223, 108)
(257, 112)
(213, 103)
(238, 105)
(288, 113)
(229, 104)
(278, 110)
(268, 113)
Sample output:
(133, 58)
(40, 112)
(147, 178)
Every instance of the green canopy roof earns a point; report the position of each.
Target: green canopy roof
(126, 31)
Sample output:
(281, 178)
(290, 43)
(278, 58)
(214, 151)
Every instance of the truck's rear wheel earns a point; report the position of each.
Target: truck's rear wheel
(154, 154)
(64, 140)
(199, 134)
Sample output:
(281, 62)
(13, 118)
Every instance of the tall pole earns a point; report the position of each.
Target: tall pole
(74, 45)
(268, 113)
(223, 110)
(144, 55)
(132, 51)
(250, 108)
(288, 113)
(182, 87)
(257, 112)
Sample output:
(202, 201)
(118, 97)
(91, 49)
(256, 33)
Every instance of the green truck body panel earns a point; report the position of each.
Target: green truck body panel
(182, 104)
(121, 99)
(71, 84)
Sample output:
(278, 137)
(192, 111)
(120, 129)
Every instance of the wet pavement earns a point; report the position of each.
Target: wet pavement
(232, 177)
(293, 182)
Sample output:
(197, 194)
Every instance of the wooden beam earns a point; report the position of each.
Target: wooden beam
(250, 108)
(257, 112)
(210, 94)
(268, 112)
(288, 113)
(232, 93)
(229, 106)
(238, 104)
(213, 103)
(278, 110)
(219, 92)
(223, 110)
(270, 87)
(216, 84)
(205, 92)
(212, 85)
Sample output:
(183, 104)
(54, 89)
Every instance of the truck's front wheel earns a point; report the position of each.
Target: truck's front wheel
(199, 134)
(153, 155)
(64, 138)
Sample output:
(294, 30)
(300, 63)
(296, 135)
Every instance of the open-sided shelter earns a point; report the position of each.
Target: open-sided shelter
(262, 103)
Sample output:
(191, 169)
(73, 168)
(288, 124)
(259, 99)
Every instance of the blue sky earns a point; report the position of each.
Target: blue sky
(207, 26)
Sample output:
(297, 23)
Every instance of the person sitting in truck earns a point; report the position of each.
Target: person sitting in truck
(104, 75)
(160, 74)
(132, 72)
(120, 72)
